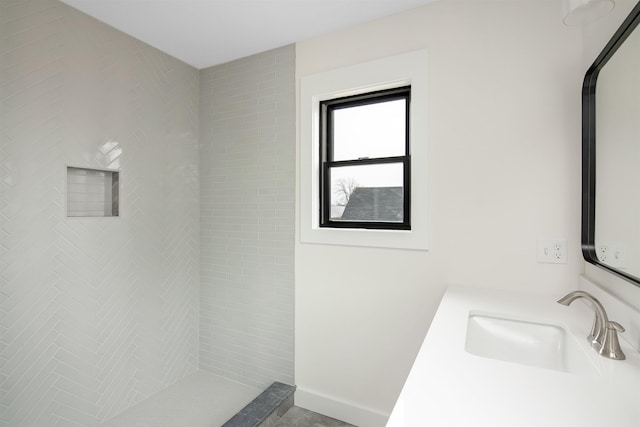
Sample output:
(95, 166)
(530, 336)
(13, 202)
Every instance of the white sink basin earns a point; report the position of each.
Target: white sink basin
(526, 342)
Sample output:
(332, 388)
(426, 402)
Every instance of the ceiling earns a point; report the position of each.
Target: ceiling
(203, 33)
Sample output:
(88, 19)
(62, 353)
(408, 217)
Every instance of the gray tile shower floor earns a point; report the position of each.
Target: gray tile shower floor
(298, 417)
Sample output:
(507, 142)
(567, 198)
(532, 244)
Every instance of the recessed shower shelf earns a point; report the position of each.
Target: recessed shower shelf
(92, 192)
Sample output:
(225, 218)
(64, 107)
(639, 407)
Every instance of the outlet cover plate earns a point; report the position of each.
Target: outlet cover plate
(552, 251)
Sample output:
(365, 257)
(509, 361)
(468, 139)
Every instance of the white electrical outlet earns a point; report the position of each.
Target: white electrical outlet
(552, 251)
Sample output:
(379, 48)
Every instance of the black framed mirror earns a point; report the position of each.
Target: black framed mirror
(611, 155)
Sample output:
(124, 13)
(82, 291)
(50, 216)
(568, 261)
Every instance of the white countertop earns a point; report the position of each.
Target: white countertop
(449, 387)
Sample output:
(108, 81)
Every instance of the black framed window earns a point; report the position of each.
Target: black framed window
(365, 165)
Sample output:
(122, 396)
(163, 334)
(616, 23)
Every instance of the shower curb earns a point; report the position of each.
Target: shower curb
(266, 409)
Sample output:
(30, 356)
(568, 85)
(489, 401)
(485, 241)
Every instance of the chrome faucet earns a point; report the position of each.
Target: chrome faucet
(604, 333)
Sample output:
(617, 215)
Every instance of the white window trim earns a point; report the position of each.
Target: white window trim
(401, 70)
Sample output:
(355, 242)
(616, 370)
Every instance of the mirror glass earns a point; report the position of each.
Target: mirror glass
(611, 156)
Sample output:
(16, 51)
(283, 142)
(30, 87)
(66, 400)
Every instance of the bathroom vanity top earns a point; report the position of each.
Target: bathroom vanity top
(449, 385)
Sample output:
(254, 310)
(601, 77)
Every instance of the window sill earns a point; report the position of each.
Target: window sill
(397, 239)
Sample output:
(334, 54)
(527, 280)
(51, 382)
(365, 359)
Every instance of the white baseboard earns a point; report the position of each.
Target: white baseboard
(339, 409)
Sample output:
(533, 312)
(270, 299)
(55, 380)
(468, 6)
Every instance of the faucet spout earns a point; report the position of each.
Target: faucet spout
(600, 321)
(603, 336)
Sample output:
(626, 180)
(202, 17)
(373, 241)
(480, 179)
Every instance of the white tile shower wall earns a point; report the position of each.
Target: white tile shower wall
(247, 166)
(96, 314)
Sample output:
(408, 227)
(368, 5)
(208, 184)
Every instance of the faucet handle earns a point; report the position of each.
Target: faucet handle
(610, 345)
(615, 325)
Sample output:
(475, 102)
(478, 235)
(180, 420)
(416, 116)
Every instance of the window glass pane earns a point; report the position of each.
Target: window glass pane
(367, 193)
(373, 130)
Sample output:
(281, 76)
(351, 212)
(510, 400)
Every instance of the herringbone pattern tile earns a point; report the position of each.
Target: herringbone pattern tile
(96, 314)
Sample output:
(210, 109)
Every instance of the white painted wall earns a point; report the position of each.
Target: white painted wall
(504, 170)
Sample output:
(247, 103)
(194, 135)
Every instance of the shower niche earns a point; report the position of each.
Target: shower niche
(93, 192)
